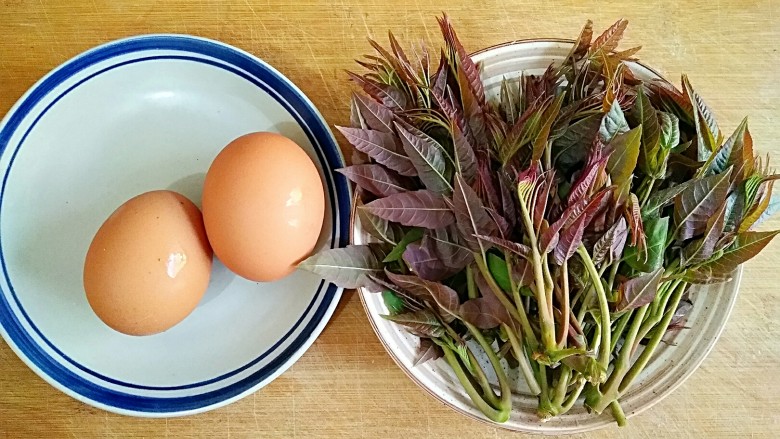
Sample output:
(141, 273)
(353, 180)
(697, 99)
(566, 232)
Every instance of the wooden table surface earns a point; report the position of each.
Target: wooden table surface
(346, 385)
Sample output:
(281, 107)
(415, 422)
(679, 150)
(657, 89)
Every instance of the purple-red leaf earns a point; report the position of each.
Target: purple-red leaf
(502, 224)
(550, 236)
(444, 296)
(464, 158)
(376, 179)
(610, 246)
(490, 302)
(608, 41)
(427, 351)
(544, 186)
(381, 147)
(413, 285)
(377, 116)
(505, 244)
(708, 133)
(483, 313)
(421, 208)
(746, 246)
(347, 267)
(569, 240)
(467, 67)
(635, 223)
(639, 291)
(698, 202)
(585, 181)
(471, 217)
(596, 205)
(701, 249)
(508, 206)
(444, 243)
(484, 183)
(387, 95)
(355, 118)
(379, 227)
(422, 323)
(427, 156)
(426, 264)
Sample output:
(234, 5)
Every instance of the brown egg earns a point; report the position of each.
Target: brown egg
(263, 206)
(149, 264)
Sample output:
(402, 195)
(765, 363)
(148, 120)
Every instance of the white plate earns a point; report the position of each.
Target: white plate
(144, 113)
(671, 364)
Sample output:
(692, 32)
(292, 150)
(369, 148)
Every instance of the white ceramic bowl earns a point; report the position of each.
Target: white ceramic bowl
(134, 115)
(671, 364)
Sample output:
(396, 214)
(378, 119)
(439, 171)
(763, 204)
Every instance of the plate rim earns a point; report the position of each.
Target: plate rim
(315, 127)
(362, 292)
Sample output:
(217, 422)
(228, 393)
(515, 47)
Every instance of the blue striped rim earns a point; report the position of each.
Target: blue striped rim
(296, 104)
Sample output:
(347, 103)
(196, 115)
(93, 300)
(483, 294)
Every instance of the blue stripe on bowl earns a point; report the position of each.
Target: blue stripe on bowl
(264, 77)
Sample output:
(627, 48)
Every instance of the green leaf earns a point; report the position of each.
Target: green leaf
(735, 206)
(497, 267)
(698, 202)
(613, 123)
(745, 247)
(546, 123)
(728, 154)
(758, 209)
(625, 152)
(413, 235)
(670, 130)
(508, 100)
(656, 231)
(659, 199)
(644, 114)
(394, 304)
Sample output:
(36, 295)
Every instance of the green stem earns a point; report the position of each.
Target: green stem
(545, 409)
(612, 274)
(566, 306)
(482, 405)
(505, 404)
(603, 306)
(525, 325)
(522, 359)
(621, 326)
(470, 284)
(641, 362)
(546, 321)
(482, 380)
(572, 398)
(560, 388)
(617, 413)
(658, 310)
(599, 401)
(648, 190)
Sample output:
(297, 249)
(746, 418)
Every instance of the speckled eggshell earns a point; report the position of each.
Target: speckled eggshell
(263, 206)
(149, 264)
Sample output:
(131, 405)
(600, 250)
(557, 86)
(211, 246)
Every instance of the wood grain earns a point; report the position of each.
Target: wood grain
(346, 385)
